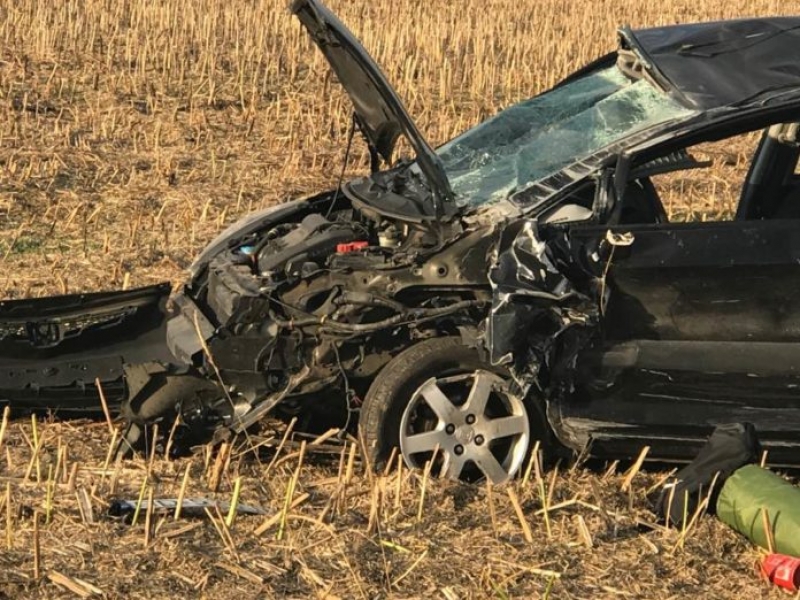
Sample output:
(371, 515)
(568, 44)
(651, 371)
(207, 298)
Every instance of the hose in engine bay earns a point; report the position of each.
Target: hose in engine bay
(414, 315)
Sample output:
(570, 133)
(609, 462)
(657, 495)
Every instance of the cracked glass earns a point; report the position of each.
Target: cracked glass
(539, 137)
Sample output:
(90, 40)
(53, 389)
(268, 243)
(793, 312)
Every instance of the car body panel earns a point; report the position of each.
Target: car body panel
(701, 327)
(380, 113)
(727, 63)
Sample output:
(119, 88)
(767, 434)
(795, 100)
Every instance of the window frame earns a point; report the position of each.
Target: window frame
(715, 131)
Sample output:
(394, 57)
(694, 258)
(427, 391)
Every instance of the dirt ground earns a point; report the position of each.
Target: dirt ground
(349, 535)
(131, 133)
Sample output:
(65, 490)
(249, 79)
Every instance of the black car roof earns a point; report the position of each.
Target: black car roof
(726, 63)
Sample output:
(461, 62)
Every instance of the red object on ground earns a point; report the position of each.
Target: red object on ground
(350, 247)
(782, 570)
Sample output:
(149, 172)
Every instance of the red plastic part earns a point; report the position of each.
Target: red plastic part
(350, 247)
(782, 570)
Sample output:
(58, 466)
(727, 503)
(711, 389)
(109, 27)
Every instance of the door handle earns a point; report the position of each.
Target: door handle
(619, 238)
(614, 240)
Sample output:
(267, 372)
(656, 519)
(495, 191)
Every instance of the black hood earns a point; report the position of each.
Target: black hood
(380, 114)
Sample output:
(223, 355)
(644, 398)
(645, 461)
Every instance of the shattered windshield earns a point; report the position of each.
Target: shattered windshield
(540, 136)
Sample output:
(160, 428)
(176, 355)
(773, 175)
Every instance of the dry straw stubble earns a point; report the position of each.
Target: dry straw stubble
(132, 132)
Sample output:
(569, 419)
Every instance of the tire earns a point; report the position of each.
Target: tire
(397, 404)
(159, 401)
(162, 395)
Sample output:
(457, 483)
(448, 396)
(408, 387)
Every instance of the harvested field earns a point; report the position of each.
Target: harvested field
(134, 131)
(348, 535)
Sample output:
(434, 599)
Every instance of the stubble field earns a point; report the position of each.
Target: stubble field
(131, 132)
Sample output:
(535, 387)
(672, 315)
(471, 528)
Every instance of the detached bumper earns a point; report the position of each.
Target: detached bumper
(53, 349)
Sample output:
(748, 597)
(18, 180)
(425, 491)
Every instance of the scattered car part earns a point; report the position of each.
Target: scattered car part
(753, 499)
(52, 350)
(190, 507)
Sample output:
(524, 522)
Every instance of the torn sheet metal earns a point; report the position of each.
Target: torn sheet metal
(534, 304)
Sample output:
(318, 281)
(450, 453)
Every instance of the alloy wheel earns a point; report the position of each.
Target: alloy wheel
(471, 425)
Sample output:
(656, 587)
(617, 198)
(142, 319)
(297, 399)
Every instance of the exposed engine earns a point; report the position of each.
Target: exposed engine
(321, 302)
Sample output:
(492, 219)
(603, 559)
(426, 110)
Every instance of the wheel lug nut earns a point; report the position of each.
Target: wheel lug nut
(470, 419)
(459, 449)
(479, 439)
(450, 429)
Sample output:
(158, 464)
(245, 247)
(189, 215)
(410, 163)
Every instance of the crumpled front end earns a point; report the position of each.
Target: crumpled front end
(540, 318)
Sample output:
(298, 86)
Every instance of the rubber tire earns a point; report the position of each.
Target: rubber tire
(392, 389)
(162, 394)
(158, 399)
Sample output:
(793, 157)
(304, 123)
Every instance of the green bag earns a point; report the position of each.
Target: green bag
(743, 499)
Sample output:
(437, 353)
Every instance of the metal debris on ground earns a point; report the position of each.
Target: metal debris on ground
(194, 507)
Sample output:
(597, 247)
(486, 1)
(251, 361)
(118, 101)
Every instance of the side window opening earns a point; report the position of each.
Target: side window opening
(641, 203)
(772, 190)
(711, 192)
(752, 175)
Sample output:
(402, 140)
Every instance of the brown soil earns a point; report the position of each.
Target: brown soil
(394, 536)
(134, 131)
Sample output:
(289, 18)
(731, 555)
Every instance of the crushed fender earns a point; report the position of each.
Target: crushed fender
(539, 319)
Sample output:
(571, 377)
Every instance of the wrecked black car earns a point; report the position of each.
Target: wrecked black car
(522, 282)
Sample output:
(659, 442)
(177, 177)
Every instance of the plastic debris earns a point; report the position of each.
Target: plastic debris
(782, 570)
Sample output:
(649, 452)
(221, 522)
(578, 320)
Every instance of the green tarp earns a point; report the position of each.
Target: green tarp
(743, 499)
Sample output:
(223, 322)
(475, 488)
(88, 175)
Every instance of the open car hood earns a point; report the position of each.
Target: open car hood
(380, 114)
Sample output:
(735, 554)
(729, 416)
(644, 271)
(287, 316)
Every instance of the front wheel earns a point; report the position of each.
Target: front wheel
(438, 400)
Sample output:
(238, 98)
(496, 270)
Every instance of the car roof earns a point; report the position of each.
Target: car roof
(722, 64)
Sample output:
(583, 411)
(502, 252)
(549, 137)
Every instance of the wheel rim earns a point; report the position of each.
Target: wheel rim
(471, 425)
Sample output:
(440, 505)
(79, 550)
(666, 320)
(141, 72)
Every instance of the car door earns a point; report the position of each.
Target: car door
(700, 326)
